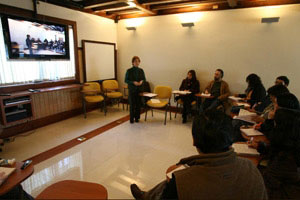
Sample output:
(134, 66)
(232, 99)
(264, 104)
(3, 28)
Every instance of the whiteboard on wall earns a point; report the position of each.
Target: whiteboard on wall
(99, 60)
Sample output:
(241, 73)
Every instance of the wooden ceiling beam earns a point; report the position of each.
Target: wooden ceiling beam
(187, 4)
(143, 8)
(114, 9)
(113, 6)
(155, 2)
(125, 12)
(105, 3)
(221, 6)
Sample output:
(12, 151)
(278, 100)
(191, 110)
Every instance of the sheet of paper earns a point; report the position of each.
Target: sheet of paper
(149, 95)
(205, 95)
(246, 118)
(155, 100)
(251, 132)
(181, 92)
(245, 115)
(243, 149)
(246, 105)
(244, 112)
(233, 98)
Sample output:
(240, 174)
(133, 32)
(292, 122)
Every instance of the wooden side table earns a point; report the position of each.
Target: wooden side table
(16, 177)
(70, 189)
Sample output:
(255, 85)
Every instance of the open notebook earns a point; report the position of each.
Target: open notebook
(245, 115)
(243, 149)
(251, 132)
(5, 172)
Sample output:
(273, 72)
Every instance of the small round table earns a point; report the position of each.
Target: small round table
(70, 189)
(16, 177)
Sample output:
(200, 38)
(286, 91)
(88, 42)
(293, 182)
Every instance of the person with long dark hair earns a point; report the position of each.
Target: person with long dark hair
(255, 92)
(191, 84)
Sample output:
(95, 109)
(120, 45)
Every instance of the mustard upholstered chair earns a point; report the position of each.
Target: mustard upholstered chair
(164, 94)
(111, 88)
(179, 104)
(92, 94)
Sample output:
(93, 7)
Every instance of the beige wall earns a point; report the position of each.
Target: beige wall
(234, 40)
(89, 27)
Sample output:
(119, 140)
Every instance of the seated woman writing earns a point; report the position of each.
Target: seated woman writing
(192, 85)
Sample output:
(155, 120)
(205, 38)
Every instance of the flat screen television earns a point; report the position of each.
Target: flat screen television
(35, 39)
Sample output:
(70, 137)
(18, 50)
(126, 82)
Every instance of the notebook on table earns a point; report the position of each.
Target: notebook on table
(245, 115)
(244, 149)
(251, 132)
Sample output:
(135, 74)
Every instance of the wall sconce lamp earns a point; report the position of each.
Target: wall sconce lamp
(131, 28)
(188, 24)
(269, 19)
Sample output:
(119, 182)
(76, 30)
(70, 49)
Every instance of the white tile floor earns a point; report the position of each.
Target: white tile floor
(129, 153)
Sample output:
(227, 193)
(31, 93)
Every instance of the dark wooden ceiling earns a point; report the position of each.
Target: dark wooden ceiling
(123, 9)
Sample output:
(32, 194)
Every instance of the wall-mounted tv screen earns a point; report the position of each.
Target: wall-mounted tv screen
(34, 39)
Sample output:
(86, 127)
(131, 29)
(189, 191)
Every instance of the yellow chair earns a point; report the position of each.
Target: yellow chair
(111, 88)
(180, 104)
(92, 94)
(164, 94)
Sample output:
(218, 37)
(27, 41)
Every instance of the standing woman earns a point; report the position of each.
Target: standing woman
(135, 77)
(192, 85)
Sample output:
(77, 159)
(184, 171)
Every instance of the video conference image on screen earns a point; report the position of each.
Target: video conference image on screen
(35, 39)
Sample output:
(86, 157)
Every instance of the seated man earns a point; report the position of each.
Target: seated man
(282, 80)
(218, 89)
(216, 172)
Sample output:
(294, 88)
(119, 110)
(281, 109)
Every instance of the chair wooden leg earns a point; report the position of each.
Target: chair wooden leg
(152, 111)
